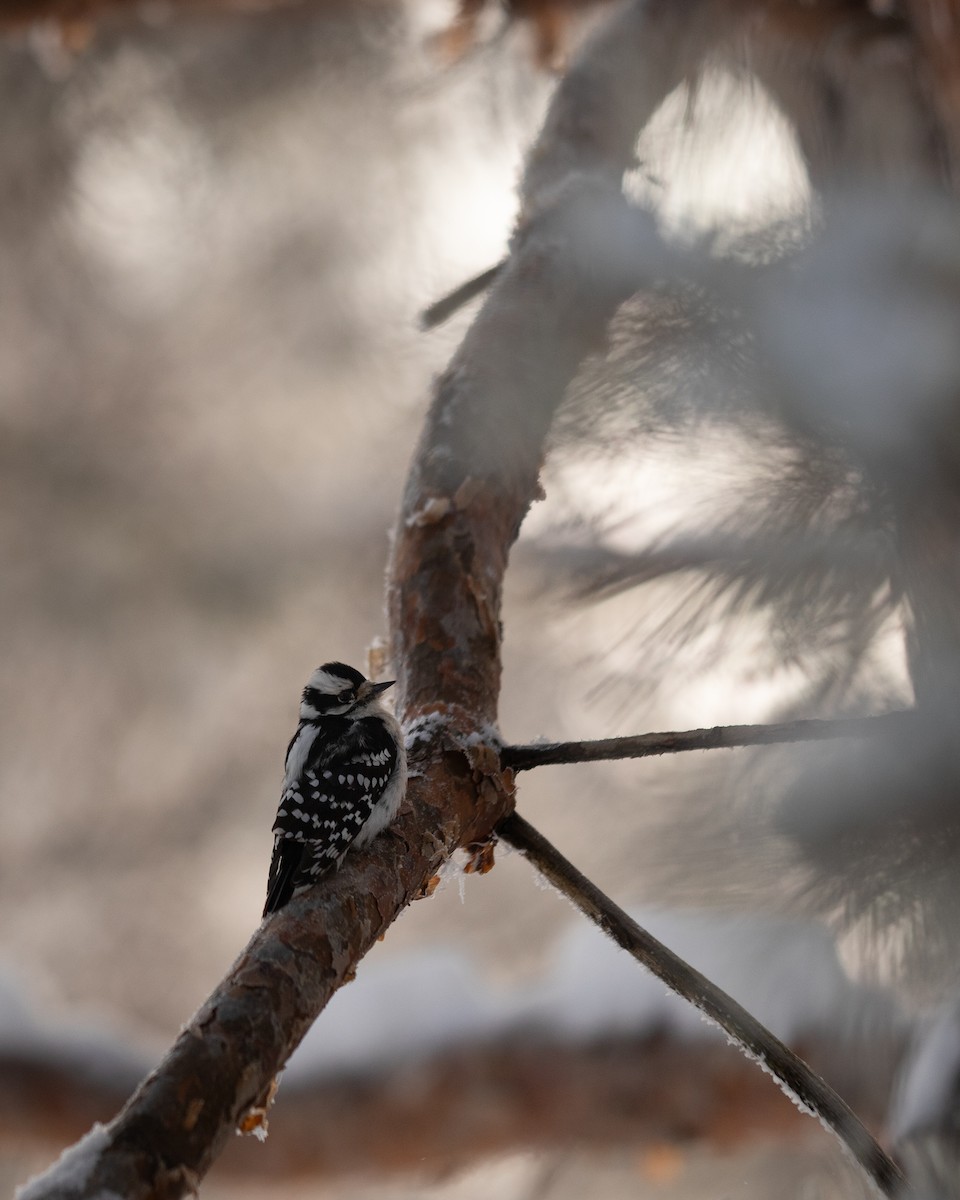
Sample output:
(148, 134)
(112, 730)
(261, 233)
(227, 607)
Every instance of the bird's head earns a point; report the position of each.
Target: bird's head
(334, 690)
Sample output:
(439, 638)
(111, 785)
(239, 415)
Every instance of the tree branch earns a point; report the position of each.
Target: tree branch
(792, 1073)
(720, 737)
(474, 475)
(222, 1065)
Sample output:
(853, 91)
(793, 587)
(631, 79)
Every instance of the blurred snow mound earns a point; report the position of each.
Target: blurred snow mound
(784, 971)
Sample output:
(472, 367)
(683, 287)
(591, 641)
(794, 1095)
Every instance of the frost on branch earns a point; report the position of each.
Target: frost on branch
(71, 1172)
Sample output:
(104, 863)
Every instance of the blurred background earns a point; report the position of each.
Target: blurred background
(218, 228)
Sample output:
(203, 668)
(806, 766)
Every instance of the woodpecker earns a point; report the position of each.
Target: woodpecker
(345, 775)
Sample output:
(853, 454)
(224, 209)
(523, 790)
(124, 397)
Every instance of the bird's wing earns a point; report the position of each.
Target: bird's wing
(325, 806)
(284, 867)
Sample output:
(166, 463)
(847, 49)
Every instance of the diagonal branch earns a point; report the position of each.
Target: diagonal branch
(720, 737)
(809, 1091)
(579, 253)
(178, 1120)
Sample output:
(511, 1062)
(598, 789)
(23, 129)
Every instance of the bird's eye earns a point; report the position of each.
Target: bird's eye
(345, 697)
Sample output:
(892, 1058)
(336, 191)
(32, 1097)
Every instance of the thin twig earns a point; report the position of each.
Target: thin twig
(720, 737)
(757, 1042)
(443, 309)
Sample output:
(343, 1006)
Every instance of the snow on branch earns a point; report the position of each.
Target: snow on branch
(794, 1076)
(644, 745)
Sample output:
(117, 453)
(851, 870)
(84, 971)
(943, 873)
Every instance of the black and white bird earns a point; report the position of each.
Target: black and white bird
(346, 772)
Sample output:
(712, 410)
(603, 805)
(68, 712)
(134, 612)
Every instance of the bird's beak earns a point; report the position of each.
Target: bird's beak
(368, 689)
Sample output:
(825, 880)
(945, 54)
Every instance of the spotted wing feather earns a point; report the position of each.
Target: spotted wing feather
(330, 792)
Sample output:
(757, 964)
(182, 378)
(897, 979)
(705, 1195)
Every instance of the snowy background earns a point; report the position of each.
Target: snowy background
(217, 233)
